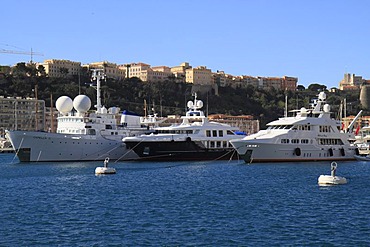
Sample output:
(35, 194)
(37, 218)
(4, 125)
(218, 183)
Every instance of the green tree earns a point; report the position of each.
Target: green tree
(316, 87)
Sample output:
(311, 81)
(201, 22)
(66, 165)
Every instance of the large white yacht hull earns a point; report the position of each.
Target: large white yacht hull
(254, 151)
(31, 146)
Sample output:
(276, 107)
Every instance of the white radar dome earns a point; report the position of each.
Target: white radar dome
(322, 96)
(190, 104)
(326, 108)
(64, 104)
(199, 103)
(82, 103)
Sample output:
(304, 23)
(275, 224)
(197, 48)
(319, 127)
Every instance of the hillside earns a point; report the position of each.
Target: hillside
(168, 97)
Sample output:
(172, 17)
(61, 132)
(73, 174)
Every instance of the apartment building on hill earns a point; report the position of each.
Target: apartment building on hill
(61, 68)
(111, 70)
(352, 82)
(18, 113)
(200, 76)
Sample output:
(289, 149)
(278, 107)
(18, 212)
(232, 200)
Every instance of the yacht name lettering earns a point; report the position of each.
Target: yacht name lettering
(40, 137)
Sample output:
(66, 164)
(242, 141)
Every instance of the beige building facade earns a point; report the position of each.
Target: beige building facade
(199, 75)
(111, 70)
(278, 83)
(19, 114)
(351, 82)
(245, 123)
(61, 68)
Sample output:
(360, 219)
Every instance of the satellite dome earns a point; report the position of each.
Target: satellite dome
(322, 96)
(303, 110)
(64, 104)
(190, 104)
(326, 108)
(199, 103)
(82, 103)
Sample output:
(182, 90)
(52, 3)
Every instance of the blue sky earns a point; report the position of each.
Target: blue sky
(315, 40)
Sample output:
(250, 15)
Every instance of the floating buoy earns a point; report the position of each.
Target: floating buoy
(332, 179)
(105, 170)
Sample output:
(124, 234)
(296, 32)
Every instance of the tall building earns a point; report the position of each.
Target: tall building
(21, 114)
(158, 73)
(179, 72)
(199, 75)
(245, 123)
(61, 68)
(146, 73)
(279, 83)
(351, 82)
(289, 83)
(111, 70)
(136, 70)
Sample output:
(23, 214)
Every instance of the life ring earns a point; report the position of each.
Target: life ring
(342, 152)
(330, 152)
(297, 151)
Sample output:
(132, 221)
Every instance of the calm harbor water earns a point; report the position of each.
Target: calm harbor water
(183, 203)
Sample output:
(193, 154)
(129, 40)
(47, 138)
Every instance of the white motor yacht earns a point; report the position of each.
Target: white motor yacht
(310, 135)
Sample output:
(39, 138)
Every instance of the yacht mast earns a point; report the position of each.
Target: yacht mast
(97, 75)
(286, 106)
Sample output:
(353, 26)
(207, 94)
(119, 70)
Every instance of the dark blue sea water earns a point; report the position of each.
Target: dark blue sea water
(186, 203)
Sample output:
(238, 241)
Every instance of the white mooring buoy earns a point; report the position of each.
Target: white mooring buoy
(332, 179)
(105, 170)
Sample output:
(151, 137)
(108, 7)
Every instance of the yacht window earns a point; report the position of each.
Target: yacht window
(324, 128)
(196, 132)
(218, 144)
(295, 140)
(304, 141)
(146, 151)
(91, 132)
(220, 133)
(189, 132)
(284, 140)
(229, 132)
(214, 133)
(224, 144)
(208, 133)
(212, 144)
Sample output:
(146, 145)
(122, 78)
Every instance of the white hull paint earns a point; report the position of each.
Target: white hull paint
(42, 146)
(266, 152)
